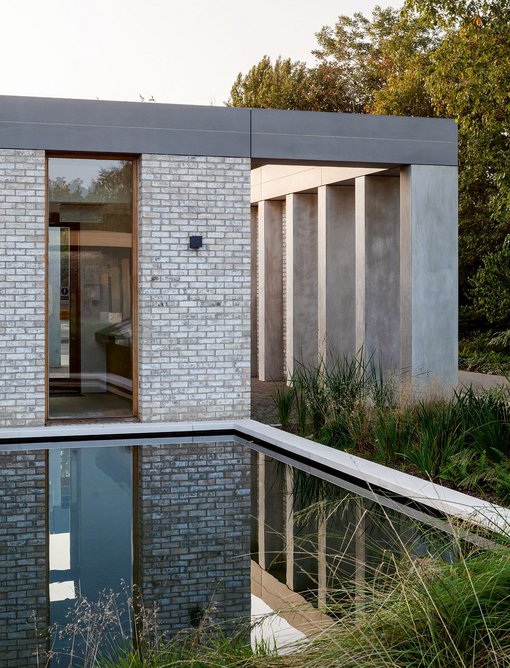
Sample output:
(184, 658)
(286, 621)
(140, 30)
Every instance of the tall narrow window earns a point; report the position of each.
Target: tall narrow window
(90, 288)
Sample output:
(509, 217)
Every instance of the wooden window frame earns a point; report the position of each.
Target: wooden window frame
(135, 160)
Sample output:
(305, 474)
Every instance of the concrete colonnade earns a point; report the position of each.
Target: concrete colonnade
(370, 263)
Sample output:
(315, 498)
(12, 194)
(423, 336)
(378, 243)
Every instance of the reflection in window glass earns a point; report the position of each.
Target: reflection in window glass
(90, 528)
(90, 240)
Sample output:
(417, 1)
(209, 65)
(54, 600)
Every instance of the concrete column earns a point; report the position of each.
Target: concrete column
(270, 297)
(336, 273)
(301, 294)
(429, 271)
(254, 282)
(378, 270)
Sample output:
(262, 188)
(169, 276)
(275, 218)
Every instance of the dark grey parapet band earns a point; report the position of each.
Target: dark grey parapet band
(265, 135)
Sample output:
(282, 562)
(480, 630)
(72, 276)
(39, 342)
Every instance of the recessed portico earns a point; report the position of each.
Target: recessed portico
(368, 263)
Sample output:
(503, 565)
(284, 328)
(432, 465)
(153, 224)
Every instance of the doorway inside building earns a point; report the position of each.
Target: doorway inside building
(90, 288)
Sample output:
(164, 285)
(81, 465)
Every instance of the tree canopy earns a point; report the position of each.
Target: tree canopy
(431, 58)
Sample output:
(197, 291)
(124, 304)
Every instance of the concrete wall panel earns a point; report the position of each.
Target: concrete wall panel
(352, 139)
(429, 276)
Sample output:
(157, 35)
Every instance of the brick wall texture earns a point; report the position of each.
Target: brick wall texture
(22, 287)
(194, 306)
(23, 567)
(194, 530)
(194, 364)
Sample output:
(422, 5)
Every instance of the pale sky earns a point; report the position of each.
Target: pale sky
(177, 51)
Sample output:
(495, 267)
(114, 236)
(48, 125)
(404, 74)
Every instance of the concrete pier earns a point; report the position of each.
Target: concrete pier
(428, 280)
(336, 273)
(301, 294)
(378, 270)
(270, 290)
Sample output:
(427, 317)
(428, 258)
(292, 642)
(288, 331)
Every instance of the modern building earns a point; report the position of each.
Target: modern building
(138, 296)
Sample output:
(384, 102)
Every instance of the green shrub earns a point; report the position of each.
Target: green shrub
(284, 400)
(490, 286)
(485, 352)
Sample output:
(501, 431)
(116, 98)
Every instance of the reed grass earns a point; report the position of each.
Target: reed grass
(462, 440)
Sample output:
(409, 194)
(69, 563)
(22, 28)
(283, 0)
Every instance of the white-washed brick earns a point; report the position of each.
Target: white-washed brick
(194, 311)
(22, 244)
(194, 306)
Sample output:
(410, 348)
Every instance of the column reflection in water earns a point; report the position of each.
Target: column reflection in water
(334, 543)
(90, 530)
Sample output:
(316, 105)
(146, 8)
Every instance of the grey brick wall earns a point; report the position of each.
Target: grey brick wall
(23, 567)
(22, 287)
(194, 306)
(194, 529)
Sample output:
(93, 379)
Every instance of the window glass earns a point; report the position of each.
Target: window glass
(90, 287)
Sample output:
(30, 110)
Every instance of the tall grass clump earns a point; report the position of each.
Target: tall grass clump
(325, 399)
(429, 596)
(428, 614)
(462, 440)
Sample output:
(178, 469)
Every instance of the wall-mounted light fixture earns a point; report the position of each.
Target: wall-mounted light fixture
(195, 243)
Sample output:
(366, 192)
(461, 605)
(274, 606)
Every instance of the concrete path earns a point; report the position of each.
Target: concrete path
(263, 407)
(480, 380)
